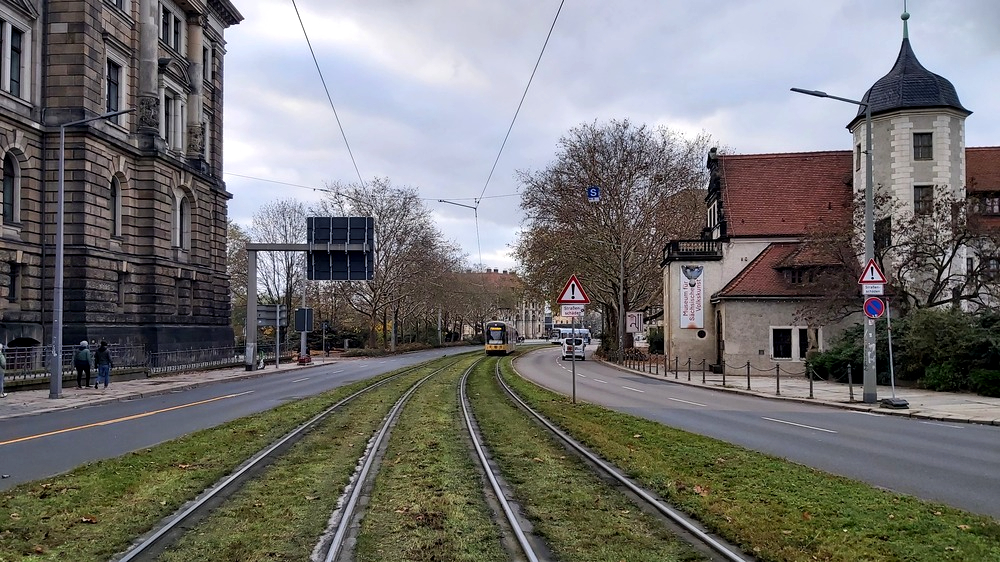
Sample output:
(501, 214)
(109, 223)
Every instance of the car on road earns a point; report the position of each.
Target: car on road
(573, 347)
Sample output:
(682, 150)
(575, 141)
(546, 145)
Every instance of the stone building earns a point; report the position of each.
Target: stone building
(736, 295)
(145, 203)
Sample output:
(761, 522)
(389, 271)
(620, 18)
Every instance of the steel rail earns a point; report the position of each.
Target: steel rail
(673, 515)
(255, 461)
(522, 540)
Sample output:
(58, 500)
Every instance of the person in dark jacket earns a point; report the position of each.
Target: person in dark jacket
(81, 360)
(102, 358)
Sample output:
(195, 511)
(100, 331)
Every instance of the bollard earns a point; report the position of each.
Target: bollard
(850, 384)
(689, 369)
(812, 374)
(676, 365)
(777, 380)
(703, 362)
(657, 367)
(723, 373)
(748, 375)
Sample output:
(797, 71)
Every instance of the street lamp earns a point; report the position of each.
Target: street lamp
(55, 384)
(870, 391)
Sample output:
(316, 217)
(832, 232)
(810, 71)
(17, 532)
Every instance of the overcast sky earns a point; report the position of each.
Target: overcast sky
(426, 89)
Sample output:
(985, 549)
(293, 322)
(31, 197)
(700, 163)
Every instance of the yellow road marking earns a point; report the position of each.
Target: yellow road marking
(119, 420)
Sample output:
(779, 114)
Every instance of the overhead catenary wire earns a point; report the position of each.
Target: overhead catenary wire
(328, 190)
(327, 90)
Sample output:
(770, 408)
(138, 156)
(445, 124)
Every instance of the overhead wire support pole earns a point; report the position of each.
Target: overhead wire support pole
(475, 211)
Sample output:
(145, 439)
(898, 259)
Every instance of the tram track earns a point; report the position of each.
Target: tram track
(186, 520)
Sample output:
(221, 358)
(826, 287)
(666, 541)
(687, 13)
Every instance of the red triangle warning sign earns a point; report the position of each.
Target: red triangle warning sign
(872, 275)
(573, 293)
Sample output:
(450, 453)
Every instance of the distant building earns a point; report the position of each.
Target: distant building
(145, 202)
(735, 295)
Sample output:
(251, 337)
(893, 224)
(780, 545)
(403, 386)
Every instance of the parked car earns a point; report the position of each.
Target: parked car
(573, 347)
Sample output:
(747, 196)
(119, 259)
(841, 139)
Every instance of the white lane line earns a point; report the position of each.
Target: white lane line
(799, 425)
(338, 371)
(581, 376)
(633, 389)
(300, 380)
(688, 402)
(942, 425)
(600, 381)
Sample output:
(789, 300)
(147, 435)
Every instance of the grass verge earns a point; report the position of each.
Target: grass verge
(427, 501)
(581, 517)
(772, 508)
(96, 510)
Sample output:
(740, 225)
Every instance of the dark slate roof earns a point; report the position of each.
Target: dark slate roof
(909, 85)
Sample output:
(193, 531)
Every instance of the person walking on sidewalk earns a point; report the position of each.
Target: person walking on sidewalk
(3, 371)
(102, 358)
(82, 360)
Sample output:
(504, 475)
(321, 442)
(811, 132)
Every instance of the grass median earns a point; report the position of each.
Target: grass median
(774, 509)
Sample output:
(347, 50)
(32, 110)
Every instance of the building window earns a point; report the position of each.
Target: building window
(857, 157)
(115, 207)
(922, 149)
(798, 276)
(182, 222)
(883, 234)
(923, 199)
(781, 343)
(991, 268)
(120, 4)
(113, 91)
(171, 28)
(989, 204)
(11, 189)
(15, 41)
(172, 124)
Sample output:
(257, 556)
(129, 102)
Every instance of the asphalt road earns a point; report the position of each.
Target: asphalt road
(34, 447)
(955, 464)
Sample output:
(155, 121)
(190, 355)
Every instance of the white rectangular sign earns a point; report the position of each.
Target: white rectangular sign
(634, 323)
(872, 290)
(692, 297)
(573, 310)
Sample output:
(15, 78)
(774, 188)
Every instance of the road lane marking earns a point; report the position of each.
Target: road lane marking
(633, 389)
(688, 402)
(119, 420)
(942, 425)
(799, 425)
(600, 381)
(300, 380)
(338, 371)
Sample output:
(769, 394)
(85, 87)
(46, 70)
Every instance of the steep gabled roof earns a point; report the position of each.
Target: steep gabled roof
(789, 194)
(763, 276)
(982, 169)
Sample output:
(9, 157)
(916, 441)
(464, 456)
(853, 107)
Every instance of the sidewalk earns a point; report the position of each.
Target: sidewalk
(923, 404)
(30, 402)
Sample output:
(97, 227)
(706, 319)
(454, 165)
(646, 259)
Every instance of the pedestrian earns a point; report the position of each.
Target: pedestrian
(102, 358)
(3, 370)
(82, 360)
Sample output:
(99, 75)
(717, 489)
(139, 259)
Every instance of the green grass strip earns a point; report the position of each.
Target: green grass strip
(427, 500)
(774, 509)
(97, 510)
(581, 517)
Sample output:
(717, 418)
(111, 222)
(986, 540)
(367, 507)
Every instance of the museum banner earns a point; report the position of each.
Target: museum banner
(692, 297)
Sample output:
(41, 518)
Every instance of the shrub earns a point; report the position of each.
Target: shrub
(944, 377)
(656, 341)
(985, 382)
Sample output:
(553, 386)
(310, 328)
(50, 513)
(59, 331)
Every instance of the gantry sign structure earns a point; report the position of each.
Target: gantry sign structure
(337, 249)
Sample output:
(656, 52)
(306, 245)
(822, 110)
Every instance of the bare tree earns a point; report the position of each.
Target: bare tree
(408, 250)
(236, 269)
(651, 182)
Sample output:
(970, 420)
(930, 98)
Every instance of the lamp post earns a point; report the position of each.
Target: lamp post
(870, 395)
(55, 383)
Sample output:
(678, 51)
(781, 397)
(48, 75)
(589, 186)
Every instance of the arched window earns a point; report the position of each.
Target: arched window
(11, 189)
(115, 207)
(182, 222)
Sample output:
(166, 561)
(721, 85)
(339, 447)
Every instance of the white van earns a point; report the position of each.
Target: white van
(573, 347)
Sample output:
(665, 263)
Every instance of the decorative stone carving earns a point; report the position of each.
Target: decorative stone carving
(196, 139)
(149, 112)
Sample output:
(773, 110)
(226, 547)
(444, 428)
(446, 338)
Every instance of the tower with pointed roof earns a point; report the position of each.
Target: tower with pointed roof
(918, 134)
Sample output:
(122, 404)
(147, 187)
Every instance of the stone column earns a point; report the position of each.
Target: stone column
(148, 102)
(196, 71)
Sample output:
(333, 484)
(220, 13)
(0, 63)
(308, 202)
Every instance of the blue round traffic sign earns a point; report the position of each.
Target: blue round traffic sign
(874, 307)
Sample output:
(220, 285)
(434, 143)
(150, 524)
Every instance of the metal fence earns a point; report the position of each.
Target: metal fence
(30, 364)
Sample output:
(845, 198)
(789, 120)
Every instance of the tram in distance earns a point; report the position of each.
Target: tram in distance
(501, 337)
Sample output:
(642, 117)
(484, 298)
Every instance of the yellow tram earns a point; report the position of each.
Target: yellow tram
(501, 337)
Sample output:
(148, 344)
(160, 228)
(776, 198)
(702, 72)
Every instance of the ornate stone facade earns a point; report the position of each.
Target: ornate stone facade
(144, 211)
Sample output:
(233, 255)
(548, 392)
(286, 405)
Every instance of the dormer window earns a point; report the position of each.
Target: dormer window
(922, 147)
(799, 276)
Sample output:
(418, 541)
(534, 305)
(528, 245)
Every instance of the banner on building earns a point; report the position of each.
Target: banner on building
(692, 297)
